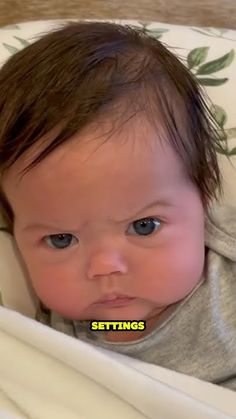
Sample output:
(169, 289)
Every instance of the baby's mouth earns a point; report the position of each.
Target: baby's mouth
(114, 300)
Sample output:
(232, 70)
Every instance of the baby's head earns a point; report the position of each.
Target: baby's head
(103, 134)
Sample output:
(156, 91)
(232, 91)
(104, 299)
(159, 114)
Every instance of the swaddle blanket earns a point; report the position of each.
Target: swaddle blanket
(45, 374)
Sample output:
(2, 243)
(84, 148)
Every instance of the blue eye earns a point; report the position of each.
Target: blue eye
(145, 226)
(60, 241)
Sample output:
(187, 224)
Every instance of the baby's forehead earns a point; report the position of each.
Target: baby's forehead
(136, 150)
(113, 178)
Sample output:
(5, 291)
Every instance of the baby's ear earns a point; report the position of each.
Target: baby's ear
(15, 289)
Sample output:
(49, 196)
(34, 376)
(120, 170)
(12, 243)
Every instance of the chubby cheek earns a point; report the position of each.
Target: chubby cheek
(170, 275)
(59, 291)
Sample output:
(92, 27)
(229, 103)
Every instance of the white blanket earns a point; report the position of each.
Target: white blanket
(45, 374)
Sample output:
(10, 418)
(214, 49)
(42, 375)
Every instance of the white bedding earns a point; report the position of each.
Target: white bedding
(45, 374)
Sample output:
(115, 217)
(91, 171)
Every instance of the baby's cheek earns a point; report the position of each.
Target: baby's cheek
(47, 286)
(174, 273)
(185, 270)
(56, 290)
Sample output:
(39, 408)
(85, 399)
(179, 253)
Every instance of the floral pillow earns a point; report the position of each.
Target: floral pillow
(208, 52)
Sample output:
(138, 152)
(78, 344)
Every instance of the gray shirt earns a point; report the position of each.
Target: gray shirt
(196, 336)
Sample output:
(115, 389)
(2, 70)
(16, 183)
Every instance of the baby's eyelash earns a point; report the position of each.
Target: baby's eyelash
(56, 236)
(146, 223)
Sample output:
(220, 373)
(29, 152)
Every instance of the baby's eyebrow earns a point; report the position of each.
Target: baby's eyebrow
(40, 226)
(45, 226)
(160, 203)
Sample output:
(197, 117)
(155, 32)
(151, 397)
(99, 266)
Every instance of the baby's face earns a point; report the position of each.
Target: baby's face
(96, 197)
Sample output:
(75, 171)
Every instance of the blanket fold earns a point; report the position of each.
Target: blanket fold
(45, 374)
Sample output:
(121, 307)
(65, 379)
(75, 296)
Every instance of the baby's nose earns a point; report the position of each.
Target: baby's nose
(105, 263)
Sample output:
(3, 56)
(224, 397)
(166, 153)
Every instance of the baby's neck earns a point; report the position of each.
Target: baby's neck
(129, 336)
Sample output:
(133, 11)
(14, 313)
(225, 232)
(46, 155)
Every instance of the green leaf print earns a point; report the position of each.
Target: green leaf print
(14, 50)
(231, 133)
(224, 151)
(213, 33)
(207, 81)
(223, 136)
(219, 114)
(157, 33)
(217, 65)
(23, 42)
(10, 48)
(197, 56)
(232, 152)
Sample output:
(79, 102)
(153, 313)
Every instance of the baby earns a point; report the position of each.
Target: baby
(109, 174)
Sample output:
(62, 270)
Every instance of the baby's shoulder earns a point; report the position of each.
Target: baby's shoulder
(220, 230)
(224, 218)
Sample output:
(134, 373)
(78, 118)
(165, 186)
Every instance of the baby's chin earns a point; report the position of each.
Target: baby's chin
(137, 309)
(130, 312)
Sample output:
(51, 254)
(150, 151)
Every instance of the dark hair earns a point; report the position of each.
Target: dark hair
(80, 71)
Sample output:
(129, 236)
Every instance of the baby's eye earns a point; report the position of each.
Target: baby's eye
(145, 226)
(59, 241)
